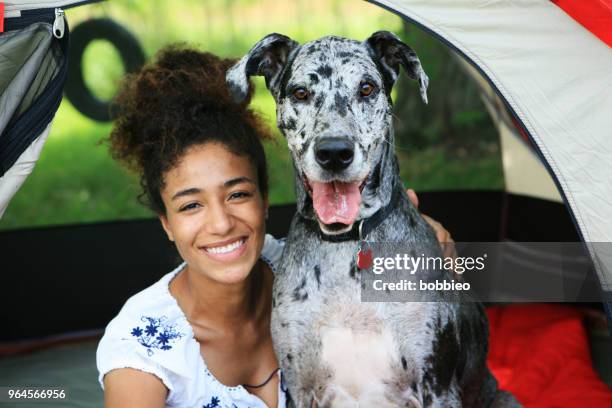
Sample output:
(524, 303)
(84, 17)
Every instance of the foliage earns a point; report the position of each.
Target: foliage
(75, 180)
(455, 116)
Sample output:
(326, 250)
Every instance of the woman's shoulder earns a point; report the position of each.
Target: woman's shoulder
(149, 334)
(272, 251)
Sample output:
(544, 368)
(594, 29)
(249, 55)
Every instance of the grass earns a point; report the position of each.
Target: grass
(76, 181)
(437, 169)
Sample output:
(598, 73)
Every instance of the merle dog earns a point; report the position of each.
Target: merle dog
(333, 98)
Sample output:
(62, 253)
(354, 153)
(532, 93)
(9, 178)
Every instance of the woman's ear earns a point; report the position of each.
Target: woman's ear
(164, 222)
(266, 205)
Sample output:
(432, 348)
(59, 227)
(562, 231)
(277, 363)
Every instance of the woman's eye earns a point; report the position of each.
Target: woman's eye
(301, 94)
(190, 206)
(366, 88)
(239, 194)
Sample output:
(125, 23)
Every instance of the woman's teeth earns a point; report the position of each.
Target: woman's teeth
(227, 248)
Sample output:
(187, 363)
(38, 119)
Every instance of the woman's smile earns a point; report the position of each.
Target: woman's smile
(226, 251)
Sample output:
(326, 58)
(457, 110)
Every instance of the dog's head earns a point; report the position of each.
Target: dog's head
(333, 105)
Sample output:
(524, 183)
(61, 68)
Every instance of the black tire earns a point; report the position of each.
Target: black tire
(128, 46)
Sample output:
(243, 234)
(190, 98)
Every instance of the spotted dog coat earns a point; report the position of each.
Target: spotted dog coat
(335, 350)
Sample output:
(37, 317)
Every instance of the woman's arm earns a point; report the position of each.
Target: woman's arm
(444, 237)
(130, 388)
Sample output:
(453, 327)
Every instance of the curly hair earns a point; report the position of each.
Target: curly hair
(178, 101)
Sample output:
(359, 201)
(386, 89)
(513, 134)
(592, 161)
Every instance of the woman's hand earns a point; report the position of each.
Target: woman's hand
(443, 236)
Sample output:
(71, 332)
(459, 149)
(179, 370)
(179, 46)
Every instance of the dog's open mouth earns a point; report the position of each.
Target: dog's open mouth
(336, 203)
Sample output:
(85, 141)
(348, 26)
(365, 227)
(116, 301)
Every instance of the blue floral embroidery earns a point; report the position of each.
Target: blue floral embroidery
(214, 403)
(151, 330)
(156, 335)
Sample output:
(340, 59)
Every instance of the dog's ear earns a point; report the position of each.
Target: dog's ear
(267, 58)
(388, 52)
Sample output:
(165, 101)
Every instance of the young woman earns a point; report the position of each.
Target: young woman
(200, 336)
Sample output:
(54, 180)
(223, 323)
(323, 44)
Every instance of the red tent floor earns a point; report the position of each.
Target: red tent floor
(541, 354)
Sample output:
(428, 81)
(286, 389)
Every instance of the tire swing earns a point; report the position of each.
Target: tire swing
(128, 46)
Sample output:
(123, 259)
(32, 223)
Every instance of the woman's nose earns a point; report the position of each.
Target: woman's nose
(219, 220)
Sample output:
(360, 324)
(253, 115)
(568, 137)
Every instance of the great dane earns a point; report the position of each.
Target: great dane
(333, 105)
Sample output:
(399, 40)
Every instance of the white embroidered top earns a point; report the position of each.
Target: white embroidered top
(152, 334)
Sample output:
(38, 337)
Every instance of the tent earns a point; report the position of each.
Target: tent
(550, 66)
(34, 64)
(33, 51)
(554, 120)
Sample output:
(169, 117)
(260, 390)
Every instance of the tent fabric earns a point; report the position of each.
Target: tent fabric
(27, 64)
(524, 172)
(541, 354)
(594, 15)
(556, 78)
(14, 8)
(33, 65)
(12, 180)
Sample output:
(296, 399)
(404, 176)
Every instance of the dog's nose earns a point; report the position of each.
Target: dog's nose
(334, 153)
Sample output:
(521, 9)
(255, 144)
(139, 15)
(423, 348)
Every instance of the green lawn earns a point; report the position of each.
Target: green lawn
(76, 181)
(436, 169)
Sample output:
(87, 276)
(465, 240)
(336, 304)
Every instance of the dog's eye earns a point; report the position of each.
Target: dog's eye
(366, 88)
(301, 94)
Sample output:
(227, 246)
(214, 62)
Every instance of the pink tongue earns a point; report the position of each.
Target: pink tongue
(336, 201)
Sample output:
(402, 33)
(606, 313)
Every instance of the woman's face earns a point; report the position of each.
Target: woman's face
(215, 213)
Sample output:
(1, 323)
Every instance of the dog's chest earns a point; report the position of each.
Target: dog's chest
(318, 310)
(314, 271)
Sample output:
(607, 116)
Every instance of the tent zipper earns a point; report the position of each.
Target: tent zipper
(59, 23)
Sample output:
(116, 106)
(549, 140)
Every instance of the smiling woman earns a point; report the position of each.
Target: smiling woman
(200, 336)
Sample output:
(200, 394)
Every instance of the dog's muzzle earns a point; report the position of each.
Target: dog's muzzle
(336, 201)
(334, 154)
